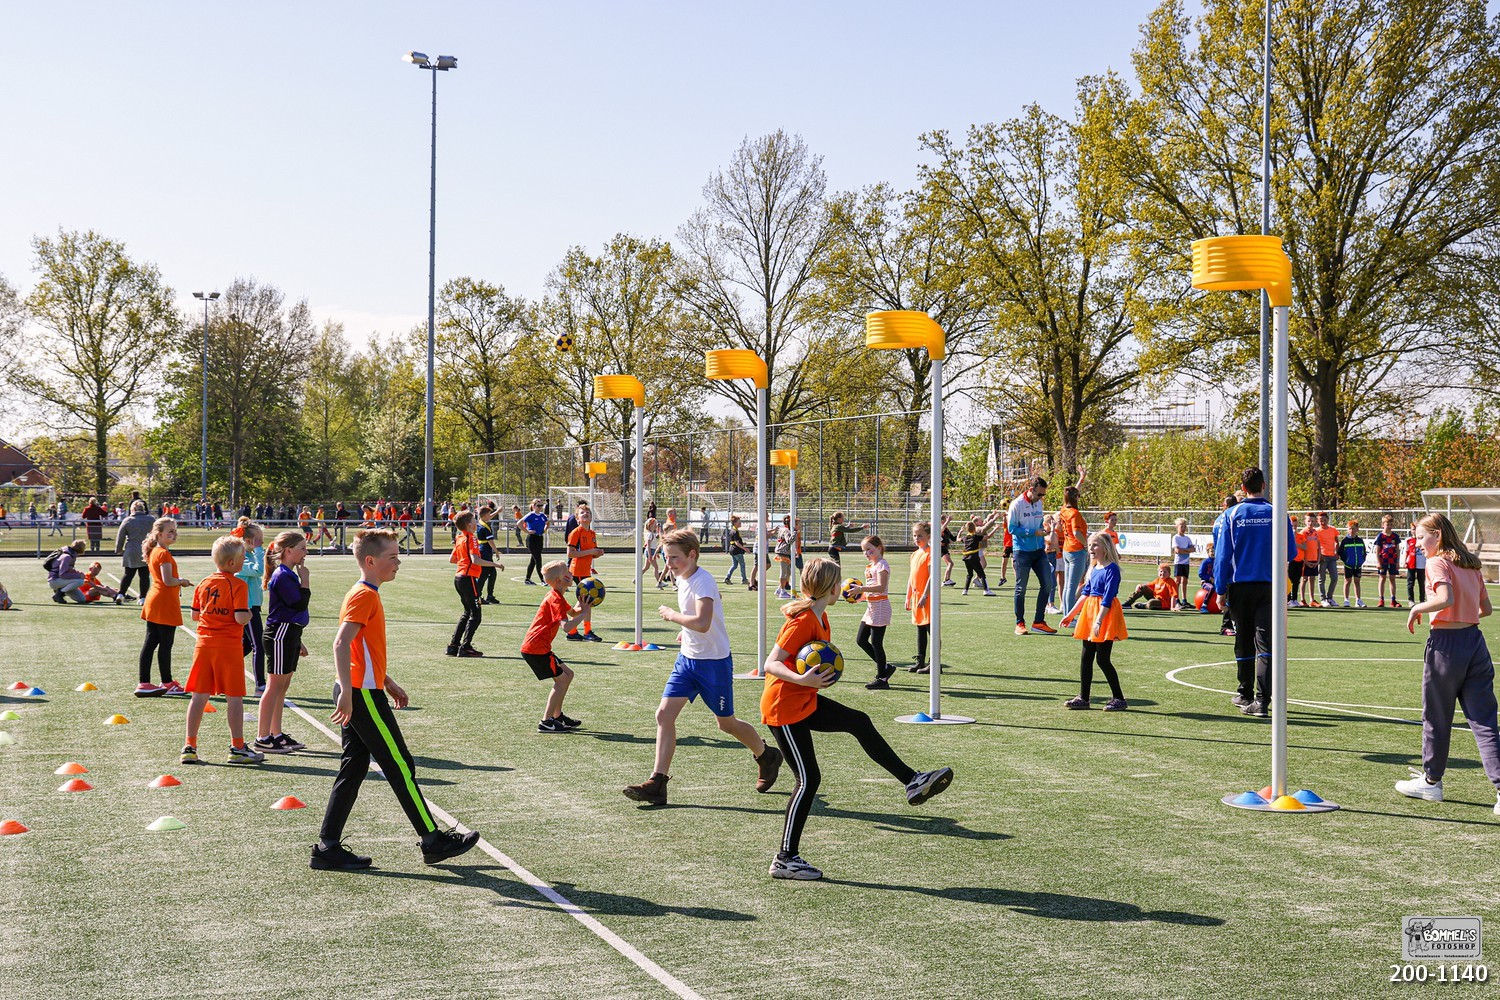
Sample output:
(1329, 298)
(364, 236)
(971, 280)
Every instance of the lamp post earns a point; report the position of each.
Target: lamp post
(1244, 263)
(905, 329)
(206, 298)
(441, 64)
(732, 365)
(787, 457)
(629, 387)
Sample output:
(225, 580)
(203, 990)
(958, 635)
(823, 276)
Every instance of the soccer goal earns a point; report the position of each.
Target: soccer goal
(1476, 515)
(709, 512)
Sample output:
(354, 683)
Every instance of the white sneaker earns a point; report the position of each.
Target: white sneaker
(1497, 803)
(1294, 604)
(1418, 787)
(1052, 610)
(793, 867)
(1359, 604)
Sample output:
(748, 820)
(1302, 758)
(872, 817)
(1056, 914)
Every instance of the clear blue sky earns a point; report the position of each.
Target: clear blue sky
(289, 142)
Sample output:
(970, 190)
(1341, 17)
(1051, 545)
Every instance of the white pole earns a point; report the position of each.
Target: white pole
(762, 417)
(796, 535)
(593, 508)
(1279, 514)
(935, 544)
(640, 515)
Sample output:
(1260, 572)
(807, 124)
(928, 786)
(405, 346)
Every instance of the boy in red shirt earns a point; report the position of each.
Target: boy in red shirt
(369, 725)
(536, 648)
(1159, 594)
(93, 589)
(583, 548)
(221, 607)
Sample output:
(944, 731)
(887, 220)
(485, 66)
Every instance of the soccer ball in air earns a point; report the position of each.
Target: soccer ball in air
(847, 590)
(564, 342)
(592, 588)
(819, 655)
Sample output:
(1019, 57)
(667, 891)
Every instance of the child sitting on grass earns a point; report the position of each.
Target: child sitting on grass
(93, 589)
(1159, 594)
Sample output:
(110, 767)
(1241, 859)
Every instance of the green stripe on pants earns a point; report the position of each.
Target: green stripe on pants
(400, 759)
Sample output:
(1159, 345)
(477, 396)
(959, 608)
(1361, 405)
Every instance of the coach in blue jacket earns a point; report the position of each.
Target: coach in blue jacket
(1242, 575)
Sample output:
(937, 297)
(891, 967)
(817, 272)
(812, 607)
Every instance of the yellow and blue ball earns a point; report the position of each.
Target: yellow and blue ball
(591, 587)
(564, 342)
(847, 590)
(819, 655)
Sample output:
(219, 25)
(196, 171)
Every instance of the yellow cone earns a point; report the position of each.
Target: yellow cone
(86, 686)
(116, 720)
(1287, 802)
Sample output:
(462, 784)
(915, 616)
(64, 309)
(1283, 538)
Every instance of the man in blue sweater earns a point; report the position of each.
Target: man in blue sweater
(1242, 576)
(1029, 541)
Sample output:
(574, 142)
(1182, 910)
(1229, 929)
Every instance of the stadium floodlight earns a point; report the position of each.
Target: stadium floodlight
(908, 330)
(734, 365)
(206, 298)
(420, 60)
(629, 387)
(1254, 263)
(787, 458)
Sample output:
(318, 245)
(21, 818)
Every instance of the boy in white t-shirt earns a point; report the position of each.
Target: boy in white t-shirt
(704, 667)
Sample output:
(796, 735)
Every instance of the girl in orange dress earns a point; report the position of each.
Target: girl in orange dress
(918, 591)
(1101, 623)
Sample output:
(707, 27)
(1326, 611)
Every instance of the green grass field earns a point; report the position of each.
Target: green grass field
(1076, 854)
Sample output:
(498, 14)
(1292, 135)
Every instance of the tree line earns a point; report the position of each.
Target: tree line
(1053, 247)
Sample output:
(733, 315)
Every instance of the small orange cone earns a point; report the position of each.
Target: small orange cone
(72, 767)
(289, 802)
(165, 781)
(11, 826)
(116, 720)
(208, 706)
(76, 785)
(20, 686)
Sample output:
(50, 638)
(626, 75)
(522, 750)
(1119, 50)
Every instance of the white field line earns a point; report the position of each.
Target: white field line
(673, 985)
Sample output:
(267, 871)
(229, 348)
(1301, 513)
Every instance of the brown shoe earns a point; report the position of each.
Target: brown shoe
(769, 763)
(652, 791)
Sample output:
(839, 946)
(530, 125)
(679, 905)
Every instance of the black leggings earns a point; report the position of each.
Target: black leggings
(1101, 651)
(796, 745)
(974, 568)
(159, 638)
(1416, 585)
(131, 572)
(253, 641)
(872, 640)
(487, 577)
(534, 546)
(468, 622)
(922, 631)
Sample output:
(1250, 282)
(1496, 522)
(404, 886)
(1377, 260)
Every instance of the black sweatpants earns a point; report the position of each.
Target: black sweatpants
(534, 546)
(468, 622)
(1098, 652)
(159, 639)
(871, 639)
(795, 741)
(1250, 607)
(131, 572)
(372, 732)
(487, 577)
(1416, 585)
(974, 568)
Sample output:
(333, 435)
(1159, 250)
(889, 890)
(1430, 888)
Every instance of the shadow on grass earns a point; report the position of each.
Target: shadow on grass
(440, 764)
(1052, 905)
(682, 741)
(1431, 819)
(932, 826)
(516, 893)
(1415, 760)
(1238, 719)
(1167, 736)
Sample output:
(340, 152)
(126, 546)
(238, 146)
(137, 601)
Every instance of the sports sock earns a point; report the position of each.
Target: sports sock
(238, 743)
(191, 741)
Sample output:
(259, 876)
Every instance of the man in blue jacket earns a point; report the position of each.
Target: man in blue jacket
(1029, 542)
(1242, 576)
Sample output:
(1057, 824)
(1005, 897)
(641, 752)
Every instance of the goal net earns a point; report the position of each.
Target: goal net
(1476, 515)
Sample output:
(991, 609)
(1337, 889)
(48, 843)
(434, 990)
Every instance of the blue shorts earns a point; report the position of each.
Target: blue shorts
(713, 679)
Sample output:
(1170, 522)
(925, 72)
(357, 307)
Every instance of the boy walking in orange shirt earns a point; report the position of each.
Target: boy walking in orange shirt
(221, 607)
(536, 647)
(364, 711)
(582, 550)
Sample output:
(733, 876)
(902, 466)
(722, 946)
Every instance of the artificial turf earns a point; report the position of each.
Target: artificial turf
(1076, 853)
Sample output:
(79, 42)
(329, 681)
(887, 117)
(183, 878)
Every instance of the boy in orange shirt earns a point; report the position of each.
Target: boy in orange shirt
(583, 549)
(536, 647)
(369, 725)
(93, 589)
(1159, 594)
(221, 607)
(792, 707)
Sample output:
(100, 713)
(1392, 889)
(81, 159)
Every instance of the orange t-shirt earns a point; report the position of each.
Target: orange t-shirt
(553, 612)
(216, 599)
(582, 538)
(163, 604)
(1464, 586)
(1165, 590)
(465, 551)
(782, 702)
(367, 652)
(916, 586)
(303, 518)
(1328, 540)
(1307, 548)
(1071, 522)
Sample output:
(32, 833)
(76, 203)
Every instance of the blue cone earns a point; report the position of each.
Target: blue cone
(35, 692)
(1249, 799)
(1306, 797)
(921, 717)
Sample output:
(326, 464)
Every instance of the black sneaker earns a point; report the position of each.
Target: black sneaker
(551, 726)
(573, 637)
(451, 651)
(290, 742)
(1239, 701)
(925, 784)
(878, 684)
(568, 723)
(1256, 709)
(336, 859)
(268, 744)
(592, 637)
(469, 652)
(444, 844)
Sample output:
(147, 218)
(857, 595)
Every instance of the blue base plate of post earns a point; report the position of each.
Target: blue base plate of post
(923, 719)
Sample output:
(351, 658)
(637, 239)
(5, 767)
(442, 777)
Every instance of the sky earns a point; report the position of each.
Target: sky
(289, 142)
